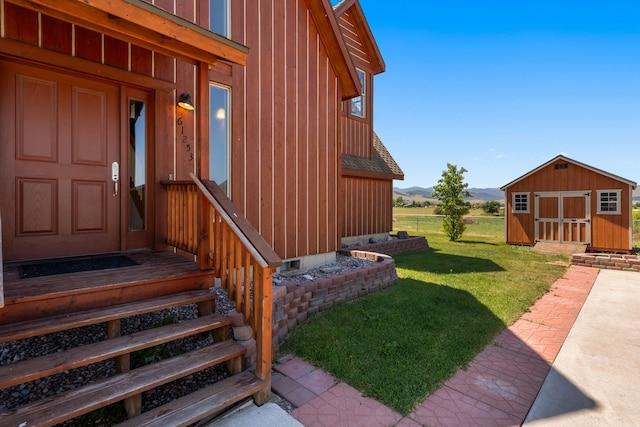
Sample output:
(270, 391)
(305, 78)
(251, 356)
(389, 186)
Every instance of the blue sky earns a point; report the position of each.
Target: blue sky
(501, 87)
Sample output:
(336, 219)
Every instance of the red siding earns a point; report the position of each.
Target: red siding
(368, 206)
(357, 134)
(352, 39)
(287, 185)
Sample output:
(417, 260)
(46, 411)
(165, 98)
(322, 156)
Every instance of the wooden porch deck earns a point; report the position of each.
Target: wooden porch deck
(158, 274)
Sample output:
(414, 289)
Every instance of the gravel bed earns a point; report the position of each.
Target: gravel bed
(16, 351)
(342, 264)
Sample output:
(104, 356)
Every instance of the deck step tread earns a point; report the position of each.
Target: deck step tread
(200, 404)
(70, 404)
(51, 364)
(46, 325)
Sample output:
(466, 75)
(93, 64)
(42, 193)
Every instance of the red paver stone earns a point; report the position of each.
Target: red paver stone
(317, 381)
(295, 368)
(283, 385)
(343, 405)
(502, 379)
(450, 408)
(300, 396)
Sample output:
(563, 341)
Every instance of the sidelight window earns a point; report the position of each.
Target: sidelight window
(137, 165)
(220, 136)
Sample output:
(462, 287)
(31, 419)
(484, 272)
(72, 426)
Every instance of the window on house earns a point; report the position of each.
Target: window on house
(609, 201)
(520, 203)
(358, 103)
(219, 17)
(220, 136)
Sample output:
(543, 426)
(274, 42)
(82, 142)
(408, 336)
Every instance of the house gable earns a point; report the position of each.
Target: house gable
(358, 36)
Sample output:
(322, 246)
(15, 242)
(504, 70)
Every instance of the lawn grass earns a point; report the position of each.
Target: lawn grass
(401, 344)
(427, 225)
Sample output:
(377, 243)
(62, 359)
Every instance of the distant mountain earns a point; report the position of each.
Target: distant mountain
(420, 193)
(480, 194)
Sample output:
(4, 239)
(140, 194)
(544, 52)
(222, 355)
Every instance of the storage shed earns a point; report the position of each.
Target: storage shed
(565, 201)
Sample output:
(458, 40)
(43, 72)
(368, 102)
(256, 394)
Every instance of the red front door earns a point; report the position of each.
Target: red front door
(59, 136)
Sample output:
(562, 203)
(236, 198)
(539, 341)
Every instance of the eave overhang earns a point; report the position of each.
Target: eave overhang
(145, 25)
(329, 30)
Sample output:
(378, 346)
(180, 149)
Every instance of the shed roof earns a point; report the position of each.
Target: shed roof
(381, 163)
(575, 162)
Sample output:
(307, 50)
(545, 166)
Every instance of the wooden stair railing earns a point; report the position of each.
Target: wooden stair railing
(204, 222)
(1, 268)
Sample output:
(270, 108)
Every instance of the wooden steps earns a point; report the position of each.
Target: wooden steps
(127, 385)
(73, 403)
(61, 361)
(62, 322)
(201, 403)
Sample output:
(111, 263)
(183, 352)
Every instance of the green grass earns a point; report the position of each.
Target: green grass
(431, 211)
(427, 225)
(401, 344)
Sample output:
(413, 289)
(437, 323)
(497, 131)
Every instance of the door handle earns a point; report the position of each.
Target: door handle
(115, 177)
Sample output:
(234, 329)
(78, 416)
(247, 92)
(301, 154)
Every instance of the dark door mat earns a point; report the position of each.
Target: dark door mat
(74, 265)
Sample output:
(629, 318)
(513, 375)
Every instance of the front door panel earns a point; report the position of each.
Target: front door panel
(60, 136)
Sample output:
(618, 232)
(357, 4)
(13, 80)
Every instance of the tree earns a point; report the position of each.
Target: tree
(451, 192)
(399, 202)
(492, 207)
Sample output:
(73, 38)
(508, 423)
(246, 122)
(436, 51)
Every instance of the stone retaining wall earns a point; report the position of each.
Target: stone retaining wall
(294, 302)
(395, 246)
(608, 261)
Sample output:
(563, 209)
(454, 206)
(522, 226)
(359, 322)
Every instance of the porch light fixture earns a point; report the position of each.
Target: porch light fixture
(186, 102)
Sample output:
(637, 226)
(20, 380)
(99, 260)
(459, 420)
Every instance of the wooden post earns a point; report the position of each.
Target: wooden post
(262, 295)
(203, 227)
(133, 404)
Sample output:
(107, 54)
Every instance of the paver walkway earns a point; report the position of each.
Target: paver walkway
(497, 388)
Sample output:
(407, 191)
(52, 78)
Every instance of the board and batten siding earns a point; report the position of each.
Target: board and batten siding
(368, 206)
(357, 132)
(285, 104)
(285, 155)
(609, 232)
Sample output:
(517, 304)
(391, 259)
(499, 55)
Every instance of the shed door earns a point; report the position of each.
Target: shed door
(60, 136)
(563, 217)
(547, 208)
(575, 219)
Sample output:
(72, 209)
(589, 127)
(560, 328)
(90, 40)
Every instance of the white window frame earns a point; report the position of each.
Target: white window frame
(226, 32)
(361, 99)
(617, 201)
(514, 203)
